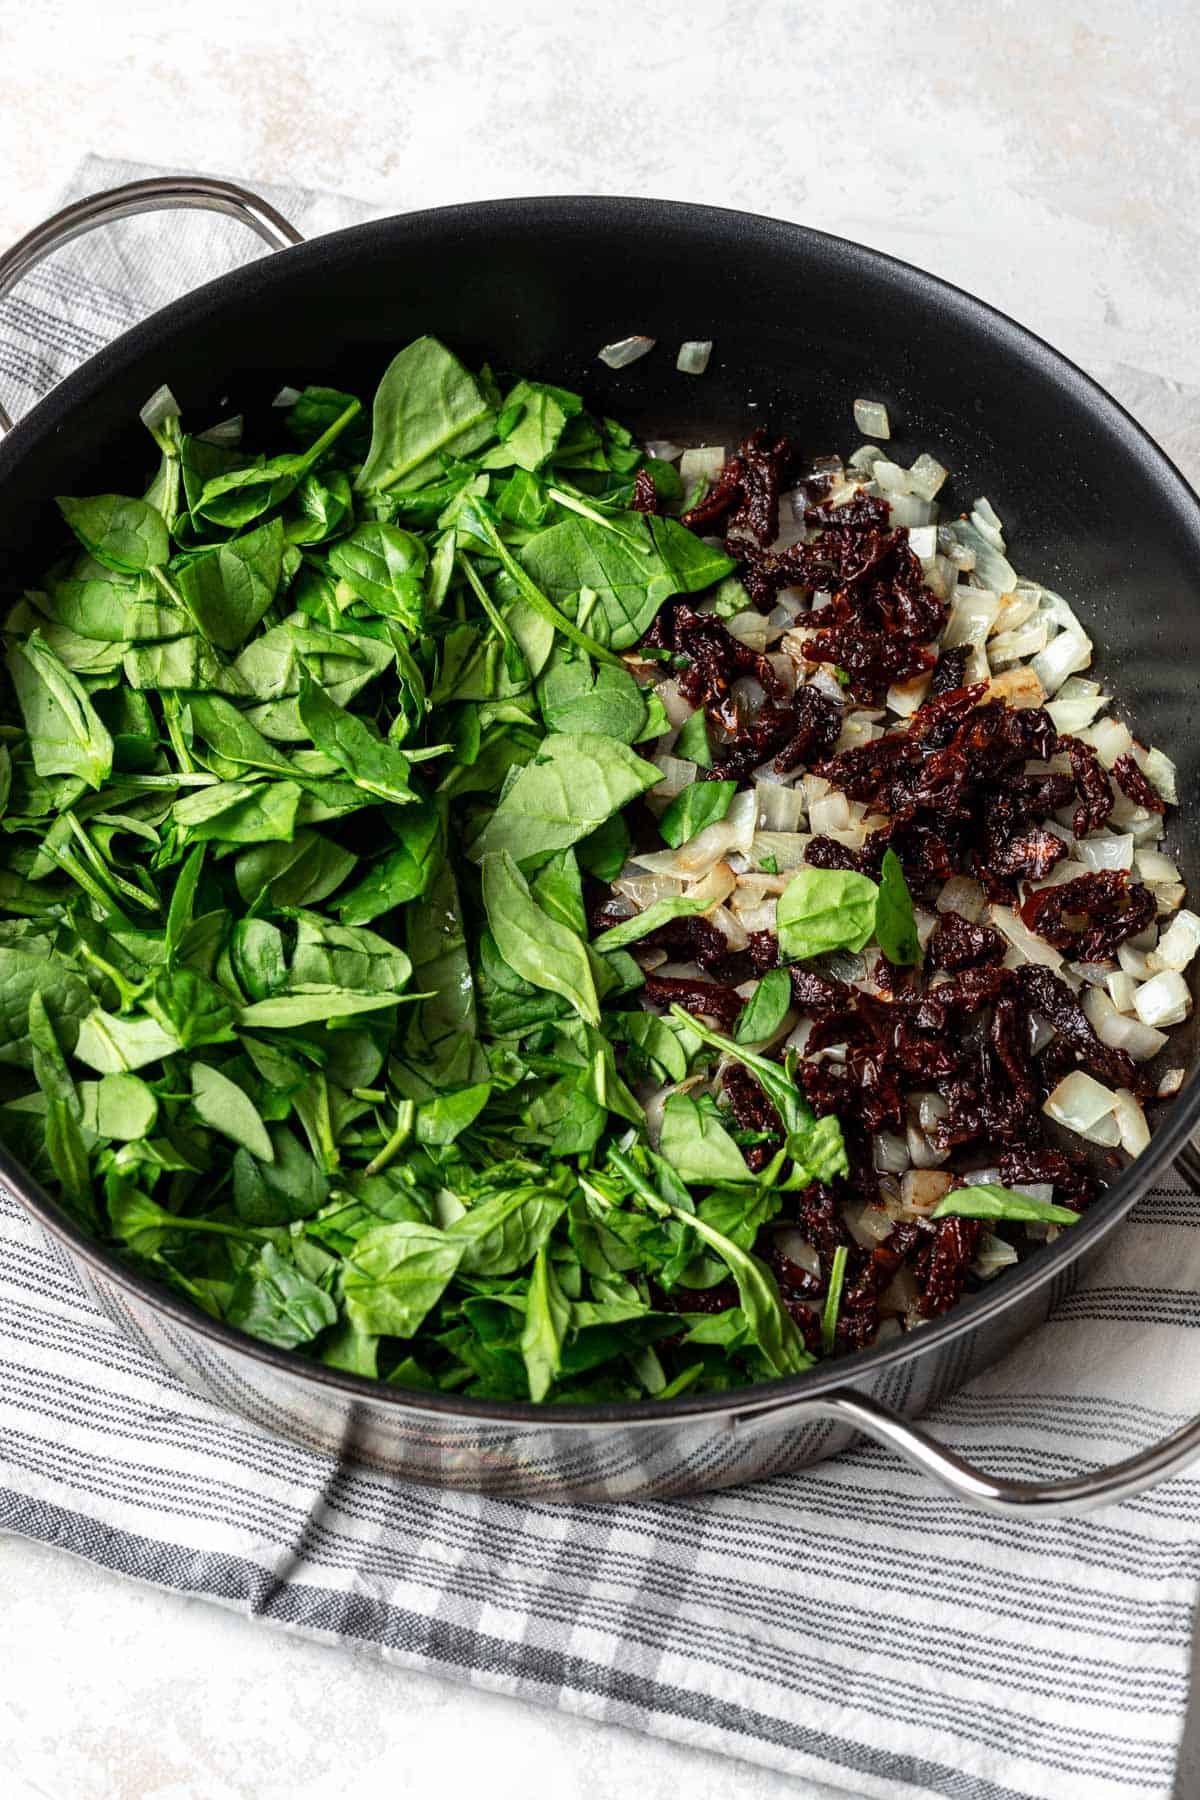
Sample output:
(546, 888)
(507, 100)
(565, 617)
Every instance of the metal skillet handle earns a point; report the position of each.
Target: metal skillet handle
(161, 192)
(1009, 1497)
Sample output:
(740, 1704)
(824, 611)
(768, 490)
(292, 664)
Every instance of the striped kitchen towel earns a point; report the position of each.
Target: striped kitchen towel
(850, 1625)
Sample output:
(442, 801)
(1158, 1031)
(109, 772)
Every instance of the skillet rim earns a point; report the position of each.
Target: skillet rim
(722, 226)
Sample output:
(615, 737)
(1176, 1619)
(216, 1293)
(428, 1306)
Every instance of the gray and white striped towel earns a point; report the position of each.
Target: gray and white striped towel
(850, 1625)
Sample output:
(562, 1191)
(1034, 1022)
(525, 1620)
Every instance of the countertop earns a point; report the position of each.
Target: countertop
(1047, 157)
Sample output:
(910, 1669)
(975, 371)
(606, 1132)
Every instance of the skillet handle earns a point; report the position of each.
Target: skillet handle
(1010, 1497)
(154, 195)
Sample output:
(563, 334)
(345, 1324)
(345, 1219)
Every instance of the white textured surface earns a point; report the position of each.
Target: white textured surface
(1044, 155)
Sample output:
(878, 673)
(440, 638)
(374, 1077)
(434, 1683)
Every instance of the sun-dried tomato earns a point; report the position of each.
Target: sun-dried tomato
(820, 995)
(711, 998)
(753, 1112)
(958, 944)
(762, 947)
(826, 853)
(746, 493)
(753, 742)
(818, 725)
(715, 659)
(865, 512)
(1073, 1183)
(1090, 916)
(694, 938)
(942, 1266)
(818, 1217)
(1042, 991)
(1091, 783)
(795, 1282)
(645, 494)
(1009, 1039)
(950, 670)
(1135, 786)
(873, 660)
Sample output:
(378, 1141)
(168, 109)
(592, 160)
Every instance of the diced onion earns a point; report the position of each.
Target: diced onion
(871, 418)
(1170, 1084)
(926, 476)
(922, 541)
(716, 886)
(921, 1189)
(1109, 739)
(704, 463)
(624, 351)
(1178, 943)
(749, 628)
(1159, 771)
(677, 773)
(1121, 989)
(1118, 1030)
(908, 510)
(993, 1254)
(1152, 866)
(961, 895)
(1023, 941)
(1133, 962)
(890, 1153)
(1131, 1123)
(1163, 1000)
(971, 614)
(780, 808)
(693, 356)
(286, 397)
(226, 432)
(677, 709)
(798, 1250)
(161, 405)
(1101, 852)
(1084, 1105)
(643, 890)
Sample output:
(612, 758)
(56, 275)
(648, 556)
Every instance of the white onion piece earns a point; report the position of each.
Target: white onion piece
(1073, 716)
(890, 478)
(1163, 1000)
(1152, 866)
(693, 356)
(677, 773)
(1121, 989)
(1017, 687)
(704, 463)
(868, 1226)
(716, 886)
(1085, 1106)
(787, 847)
(1100, 852)
(1028, 947)
(907, 510)
(994, 1254)
(643, 890)
(971, 614)
(890, 1153)
(866, 456)
(624, 351)
(1170, 1084)
(1159, 770)
(1168, 896)
(1066, 653)
(1131, 1123)
(798, 1250)
(1178, 943)
(677, 709)
(871, 418)
(1133, 962)
(829, 812)
(922, 540)
(1109, 739)
(926, 476)
(1118, 1030)
(789, 604)
(749, 628)
(991, 565)
(731, 929)
(287, 396)
(964, 896)
(226, 432)
(759, 917)
(904, 697)
(921, 1152)
(921, 1189)
(798, 1037)
(663, 450)
(898, 1299)
(779, 808)
(1041, 1032)
(163, 405)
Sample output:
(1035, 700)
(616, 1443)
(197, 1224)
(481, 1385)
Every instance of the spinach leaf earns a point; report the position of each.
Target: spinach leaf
(536, 946)
(697, 1145)
(833, 1300)
(576, 783)
(692, 743)
(702, 803)
(630, 566)
(575, 698)
(895, 925)
(538, 414)
(426, 403)
(503, 1233)
(766, 1009)
(987, 1200)
(401, 874)
(766, 1317)
(825, 909)
(122, 533)
(66, 734)
(123, 1107)
(383, 567)
(225, 1106)
(547, 1314)
(273, 1301)
(395, 1274)
(227, 590)
(660, 912)
(356, 746)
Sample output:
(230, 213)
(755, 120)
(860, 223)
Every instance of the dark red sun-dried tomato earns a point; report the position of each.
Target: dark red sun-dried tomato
(1042, 991)
(818, 725)
(693, 938)
(873, 660)
(820, 995)
(950, 670)
(1091, 783)
(958, 944)
(827, 853)
(715, 659)
(1090, 916)
(710, 998)
(1073, 1183)
(942, 1267)
(1135, 786)
(645, 494)
(746, 493)
(762, 947)
(753, 1112)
